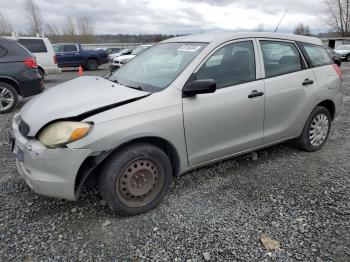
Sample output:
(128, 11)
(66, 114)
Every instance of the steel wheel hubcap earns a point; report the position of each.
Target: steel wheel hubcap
(6, 98)
(318, 130)
(139, 183)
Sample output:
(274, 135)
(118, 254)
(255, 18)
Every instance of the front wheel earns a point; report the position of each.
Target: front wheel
(92, 64)
(316, 130)
(135, 179)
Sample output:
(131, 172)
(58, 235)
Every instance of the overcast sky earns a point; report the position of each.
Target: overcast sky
(175, 16)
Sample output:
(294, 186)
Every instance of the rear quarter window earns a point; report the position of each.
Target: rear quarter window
(317, 55)
(34, 45)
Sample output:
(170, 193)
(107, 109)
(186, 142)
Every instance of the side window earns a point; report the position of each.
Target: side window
(2, 51)
(280, 58)
(318, 55)
(34, 45)
(230, 65)
(70, 48)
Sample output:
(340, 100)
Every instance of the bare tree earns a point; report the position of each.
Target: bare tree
(339, 15)
(69, 27)
(52, 29)
(260, 28)
(5, 25)
(85, 29)
(34, 15)
(302, 29)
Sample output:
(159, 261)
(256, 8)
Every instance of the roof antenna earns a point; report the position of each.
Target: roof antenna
(281, 21)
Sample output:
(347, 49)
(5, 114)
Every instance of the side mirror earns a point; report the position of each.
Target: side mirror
(202, 86)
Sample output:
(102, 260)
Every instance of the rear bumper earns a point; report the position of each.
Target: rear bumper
(30, 87)
(339, 104)
(49, 172)
(52, 70)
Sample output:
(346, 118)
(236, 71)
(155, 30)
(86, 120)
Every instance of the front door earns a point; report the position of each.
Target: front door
(230, 120)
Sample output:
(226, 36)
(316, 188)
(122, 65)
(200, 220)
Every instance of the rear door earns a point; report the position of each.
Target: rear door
(289, 85)
(229, 120)
(68, 55)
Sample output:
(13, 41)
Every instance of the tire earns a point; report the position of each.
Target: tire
(135, 179)
(42, 74)
(8, 98)
(92, 64)
(314, 141)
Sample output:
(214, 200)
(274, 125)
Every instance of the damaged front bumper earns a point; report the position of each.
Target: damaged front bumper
(49, 172)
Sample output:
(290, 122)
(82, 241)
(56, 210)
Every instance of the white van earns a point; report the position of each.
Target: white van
(45, 55)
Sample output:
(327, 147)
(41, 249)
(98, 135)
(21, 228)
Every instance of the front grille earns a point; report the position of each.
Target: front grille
(23, 127)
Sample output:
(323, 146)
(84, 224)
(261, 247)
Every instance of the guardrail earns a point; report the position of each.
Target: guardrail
(107, 45)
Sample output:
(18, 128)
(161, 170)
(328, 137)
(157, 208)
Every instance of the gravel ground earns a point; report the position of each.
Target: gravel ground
(301, 200)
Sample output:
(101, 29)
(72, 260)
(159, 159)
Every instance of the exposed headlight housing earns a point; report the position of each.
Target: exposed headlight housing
(63, 132)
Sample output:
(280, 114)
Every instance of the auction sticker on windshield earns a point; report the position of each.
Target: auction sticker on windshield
(189, 48)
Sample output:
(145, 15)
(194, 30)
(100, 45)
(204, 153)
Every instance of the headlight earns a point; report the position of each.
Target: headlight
(63, 132)
(124, 61)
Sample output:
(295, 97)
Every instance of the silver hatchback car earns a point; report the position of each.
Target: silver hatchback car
(184, 103)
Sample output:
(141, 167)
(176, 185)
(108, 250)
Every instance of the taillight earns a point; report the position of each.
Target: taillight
(55, 59)
(30, 62)
(338, 70)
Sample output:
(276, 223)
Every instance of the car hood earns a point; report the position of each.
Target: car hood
(122, 57)
(83, 95)
(342, 52)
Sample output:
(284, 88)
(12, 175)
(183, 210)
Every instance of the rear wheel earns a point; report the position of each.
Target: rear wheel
(316, 130)
(92, 64)
(8, 98)
(135, 179)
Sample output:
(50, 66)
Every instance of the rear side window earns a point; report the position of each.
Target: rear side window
(70, 48)
(2, 51)
(34, 45)
(230, 65)
(318, 56)
(280, 58)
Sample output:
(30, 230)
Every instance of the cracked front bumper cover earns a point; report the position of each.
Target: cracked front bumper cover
(49, 172)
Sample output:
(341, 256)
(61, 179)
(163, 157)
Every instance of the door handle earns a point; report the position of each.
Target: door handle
(255, 93)
(307, 82)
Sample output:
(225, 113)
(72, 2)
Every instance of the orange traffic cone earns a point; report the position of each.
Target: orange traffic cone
(80, 72)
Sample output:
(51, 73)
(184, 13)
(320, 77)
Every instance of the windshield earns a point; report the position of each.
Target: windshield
(343, 47)
(156, 68)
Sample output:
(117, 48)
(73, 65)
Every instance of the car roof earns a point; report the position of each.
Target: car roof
(224, 37)
(7, 40)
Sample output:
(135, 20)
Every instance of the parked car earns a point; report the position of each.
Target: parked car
(125, 51)
(335, 56)
(44, 53)
(113, 50)
(344, 51)
(123, 59)
(73, 55)
(171, 109)
(19, 74)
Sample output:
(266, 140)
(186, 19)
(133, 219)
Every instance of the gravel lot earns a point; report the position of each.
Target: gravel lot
(301, 200)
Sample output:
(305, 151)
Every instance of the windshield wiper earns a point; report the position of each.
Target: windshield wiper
(136, 87)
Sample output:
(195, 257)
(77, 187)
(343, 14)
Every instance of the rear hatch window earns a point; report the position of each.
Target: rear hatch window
(34, 45)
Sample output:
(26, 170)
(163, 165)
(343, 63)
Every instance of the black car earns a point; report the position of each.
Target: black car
(335, 56)
(19, 75)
